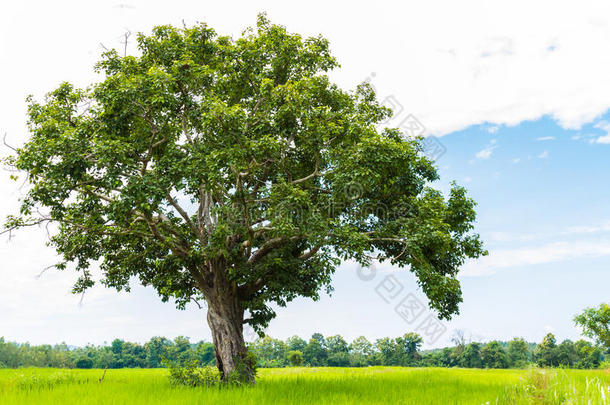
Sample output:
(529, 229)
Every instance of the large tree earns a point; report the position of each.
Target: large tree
(234, 171)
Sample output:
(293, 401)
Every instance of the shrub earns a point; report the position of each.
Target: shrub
(84, 363)
(245, 370)
(191, 375)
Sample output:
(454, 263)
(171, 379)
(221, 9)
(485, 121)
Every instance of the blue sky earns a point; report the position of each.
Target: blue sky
(544, 216)
(542, 195)
(518, 96)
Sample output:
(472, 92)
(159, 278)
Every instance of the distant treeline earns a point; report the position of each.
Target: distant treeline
(332, 351)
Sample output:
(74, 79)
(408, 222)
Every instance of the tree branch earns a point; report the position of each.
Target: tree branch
(184, 215)
(312, 252)
(265, 249)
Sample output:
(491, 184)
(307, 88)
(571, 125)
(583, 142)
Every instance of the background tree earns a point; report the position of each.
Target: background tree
(408, 345)
(295, 358)
(270, 352)
(295, 343)
(338, 352)
(204, 352)
(362, 352)
(589, 356)
(459, 340)
(157, 349)
(546, 352)
(566, 354)
(471, 356)
(233, 171)
(494, 355)
(595, 323)
(315, 352)
(518, 353)
(386, 351)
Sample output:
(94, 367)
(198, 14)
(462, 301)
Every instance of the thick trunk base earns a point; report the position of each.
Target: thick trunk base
(226, 323)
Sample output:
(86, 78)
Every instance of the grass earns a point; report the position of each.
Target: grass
(558, 387)
(372, 385)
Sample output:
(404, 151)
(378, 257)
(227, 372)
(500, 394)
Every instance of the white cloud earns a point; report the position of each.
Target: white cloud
(486, 153)
(516, 160)
(544, 155)
(568, 231)
(576, 242)
(535, 255)
(604, 139)
(480, 67)
(603, 125)
(491, 70)
(545, 138)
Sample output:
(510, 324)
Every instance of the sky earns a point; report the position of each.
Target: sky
(515, 94)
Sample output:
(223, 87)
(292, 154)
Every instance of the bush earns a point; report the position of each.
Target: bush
(245, 370)
(84, 363)
(191, 375)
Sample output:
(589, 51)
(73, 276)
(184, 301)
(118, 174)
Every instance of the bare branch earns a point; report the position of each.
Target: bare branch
(311, 176)
(44, 271)
(268, 246)
(265, 249)
(6, 143)
(312, 252)
(196, 302)
(98, 195)
(183, 214)
(125, 42)
(33, 223)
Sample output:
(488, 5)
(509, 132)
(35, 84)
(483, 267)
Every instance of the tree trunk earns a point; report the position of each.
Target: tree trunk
(225, 317)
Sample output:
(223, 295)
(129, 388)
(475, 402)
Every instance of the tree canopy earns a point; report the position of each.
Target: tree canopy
(235, 172)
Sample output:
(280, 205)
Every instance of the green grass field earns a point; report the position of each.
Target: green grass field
(373, 385)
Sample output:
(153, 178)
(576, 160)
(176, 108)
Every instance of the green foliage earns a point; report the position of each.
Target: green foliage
(272, 353)
(295, 358)
(245, 371)
(315, 353)
(269, 352)
(518, 353)
(595, 323)
(546, 353)
(119, 354)
(295, 343)
(471, 357)
(189, 373)
(340, 359)
(84, 363)
(494, 355)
